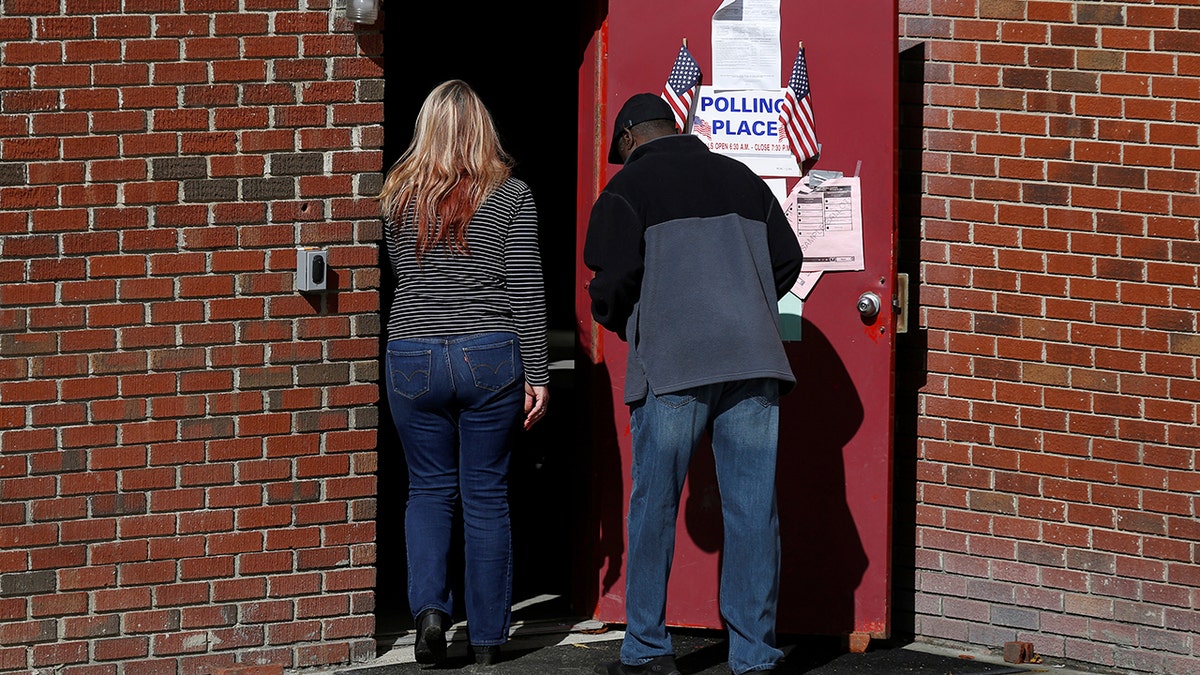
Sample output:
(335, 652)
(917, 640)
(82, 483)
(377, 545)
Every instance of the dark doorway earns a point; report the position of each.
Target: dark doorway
(523, 62)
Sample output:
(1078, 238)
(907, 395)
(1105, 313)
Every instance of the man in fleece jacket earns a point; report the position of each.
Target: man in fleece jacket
(691, 253)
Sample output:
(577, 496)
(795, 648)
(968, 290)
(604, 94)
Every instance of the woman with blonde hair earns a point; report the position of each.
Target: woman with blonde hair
(466, 362)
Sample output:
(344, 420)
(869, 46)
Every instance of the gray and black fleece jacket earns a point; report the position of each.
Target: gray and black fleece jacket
(691, 252)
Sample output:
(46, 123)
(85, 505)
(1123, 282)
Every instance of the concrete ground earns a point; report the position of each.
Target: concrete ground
(549, 646)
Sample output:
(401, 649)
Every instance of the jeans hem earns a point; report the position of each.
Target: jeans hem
(765, 666)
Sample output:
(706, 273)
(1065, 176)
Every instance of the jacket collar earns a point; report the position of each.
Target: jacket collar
(666, 144)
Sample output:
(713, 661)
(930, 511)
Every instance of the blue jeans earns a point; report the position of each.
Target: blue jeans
(456, 402)
(743, 419)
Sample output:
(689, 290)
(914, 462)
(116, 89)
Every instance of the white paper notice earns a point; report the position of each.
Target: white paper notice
(828, 223)
(804, 284)
(778, 188)
(744, 124)
(745, 45)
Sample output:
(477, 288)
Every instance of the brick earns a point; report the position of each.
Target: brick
(60, 654)
(237, 166)
(1018, 652)
(270, 93)
(207, 616)
(27, 583)
(151, 621)
(1178, 41)
(297, 164)
(179, 642)
(270, 188)
(1078, 36)
(267, 611)
(1075, 82)
(296, 631)
(857, 642)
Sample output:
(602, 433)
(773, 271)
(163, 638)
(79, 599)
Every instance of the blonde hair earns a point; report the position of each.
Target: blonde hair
(452, 165)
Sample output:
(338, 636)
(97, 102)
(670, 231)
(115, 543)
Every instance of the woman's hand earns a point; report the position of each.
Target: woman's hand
(536, 399)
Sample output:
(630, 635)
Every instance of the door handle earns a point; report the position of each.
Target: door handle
(868, 305)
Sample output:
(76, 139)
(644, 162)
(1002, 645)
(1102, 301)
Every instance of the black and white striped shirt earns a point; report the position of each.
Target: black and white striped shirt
(498, 286)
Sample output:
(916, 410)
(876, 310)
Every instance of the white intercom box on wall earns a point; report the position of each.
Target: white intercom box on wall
(312, 269)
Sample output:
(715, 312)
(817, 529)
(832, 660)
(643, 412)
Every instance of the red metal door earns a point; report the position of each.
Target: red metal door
(836, 438)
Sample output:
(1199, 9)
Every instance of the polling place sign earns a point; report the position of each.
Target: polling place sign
(744, 124)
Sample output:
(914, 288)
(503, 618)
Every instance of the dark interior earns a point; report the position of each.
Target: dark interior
(523, 60)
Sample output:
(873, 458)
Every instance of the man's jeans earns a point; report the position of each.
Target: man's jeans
(456, 402)
(744, 418)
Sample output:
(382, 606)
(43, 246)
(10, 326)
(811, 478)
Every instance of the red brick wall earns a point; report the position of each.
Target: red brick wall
(186, 443)
(1053, 159)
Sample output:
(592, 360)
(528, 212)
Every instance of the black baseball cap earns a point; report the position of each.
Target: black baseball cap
(639, 108)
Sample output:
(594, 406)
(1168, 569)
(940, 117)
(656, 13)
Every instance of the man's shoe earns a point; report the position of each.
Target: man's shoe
(659, 665)
(430, 648)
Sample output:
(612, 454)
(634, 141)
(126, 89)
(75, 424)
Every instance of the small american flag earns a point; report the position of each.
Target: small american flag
(796, 118)
(680, 88)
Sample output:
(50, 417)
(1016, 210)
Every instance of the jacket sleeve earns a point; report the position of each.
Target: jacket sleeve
(786, 254)
(613, 249)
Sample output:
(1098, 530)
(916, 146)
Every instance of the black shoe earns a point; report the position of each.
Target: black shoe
(486, 655)
(430, 648)
(659, 665)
